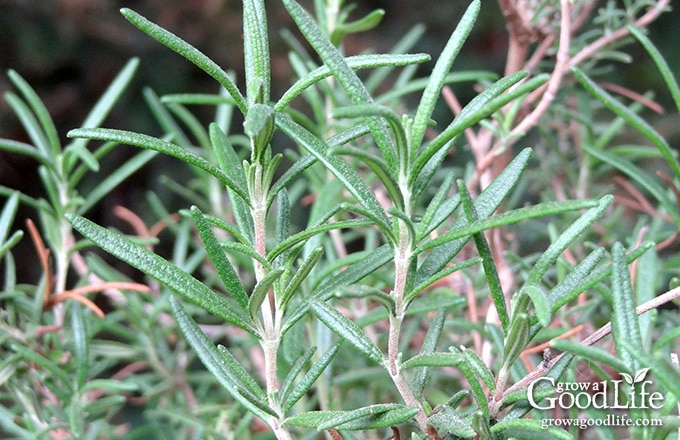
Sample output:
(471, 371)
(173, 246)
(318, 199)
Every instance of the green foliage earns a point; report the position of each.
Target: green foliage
(328, 270)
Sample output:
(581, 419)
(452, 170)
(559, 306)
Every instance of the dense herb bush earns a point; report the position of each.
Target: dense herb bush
(337, 270)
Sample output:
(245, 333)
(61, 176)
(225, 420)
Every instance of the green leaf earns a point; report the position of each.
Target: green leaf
(80, 345)
(165, 272)
(370, 417)
(631, 118)
(528, 428)
(438, 276)
(306, 383)
(259, 126)
(641, 177)
(11, 242)
(311, 419)
(9, 211)
(189, 52)
(33, 130)
(256, 52)
(427, 222)
(261, 290)
(569, 236)
(450, 422)
(665, 373)
(300, 275)
(344, 74)
(343, 172)
(365, 266)
(223, 366)
(625, 325)
(433, 360)
(395, 124)
(108, 99)
(106, 185)
(570, 287)
(25, 149)
(441, 68)
(152, 143)
(306, 234)
(47, 127)
(218, 258)
(478, 392)
(480, 369)
(661, 64)
(301, 359)
(541, 304)
(368, 22)
(483, 105)
(354, 62)
(517, 339)
(488, 263)
(421, 376)
(487, 202)
(346, 329)
(379, 168)
(595, 354)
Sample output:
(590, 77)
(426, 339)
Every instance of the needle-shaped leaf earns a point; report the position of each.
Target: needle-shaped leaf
(165, 147)
(309, 378)
(162, 270)
(106, 102)
(226, 157)
(261, 290)
(640, 176)
(517, 339)
(660, 62)
(46, 124)
(450, 422)
(342, 171)
(482, 106)
(569, 236)
(485, 204)
(342, 72)
(189, 52)
(370, 417)
(256, 52)
(379, 168)
(106, 185)
(347, 330)
(528, 428)
(488, 263)
(218, 258)
(232, 376)
(300, 275)
(481, 370)
(437, 359)
(421, 375)
(354, 62)
(625, 325)
(358, 270)
(363, 24)
(9, 211)
(80, 345)
(310, 232)
(441, 68)
(596, 354)
(631, 118)
(33, 130)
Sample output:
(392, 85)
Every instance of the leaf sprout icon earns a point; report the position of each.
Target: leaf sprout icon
(639, 376)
